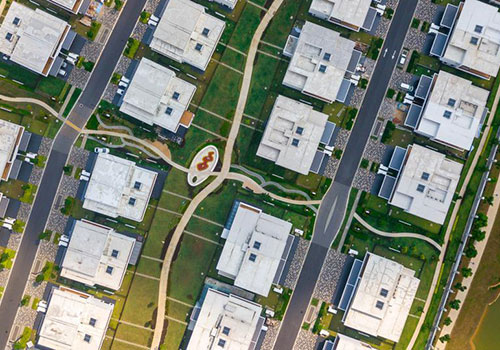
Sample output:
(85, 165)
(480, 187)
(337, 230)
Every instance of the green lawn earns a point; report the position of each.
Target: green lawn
(173, 337)
(163, 224)
(143, 296)
(134, 334)
(51, 86)
(149, 267)
(204, 229)
(245, 28)
(280, 26)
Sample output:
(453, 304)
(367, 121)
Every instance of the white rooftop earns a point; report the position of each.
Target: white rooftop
(292, 135)
(10, 136)
(225, 321)
(319, 62)
(253, 249)
(454, 111)
(118, 187)
(74, 320)
(348, 13)
(383, 298)
(475, 42)
(228, 3)
(32, 38)
(70, 5)
(343, 342)
(157, 96)
(187, 34)
(426, 185)
(97, 255)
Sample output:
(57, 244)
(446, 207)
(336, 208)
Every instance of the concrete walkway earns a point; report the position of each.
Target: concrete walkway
(396, 234)
(33, 101)
(451, 224)
(226, 164)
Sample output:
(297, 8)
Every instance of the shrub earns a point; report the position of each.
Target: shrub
(364, 163)
(390, 93)
(389, 129)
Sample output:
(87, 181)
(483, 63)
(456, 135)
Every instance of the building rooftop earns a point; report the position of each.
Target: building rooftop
(157, 96)
(70, 5)
(454, 111)
(97, 255)
(382, 298)
(427, 183)
(10, 137)
(319, 62)
(32, 38)
(226, 321)
(292, 135)
(343, 342)
(254, 249)
(187, 34)
(348, 13)
(74, 320)
(228, 3)
(474, 45)
(118, 187)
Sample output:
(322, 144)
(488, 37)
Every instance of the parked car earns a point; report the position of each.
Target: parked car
(101, 150)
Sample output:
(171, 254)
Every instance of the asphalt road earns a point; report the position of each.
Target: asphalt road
(87, 102)
(334, 204)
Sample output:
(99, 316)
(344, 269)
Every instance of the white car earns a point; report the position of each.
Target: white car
(120, 91)
(101, 150)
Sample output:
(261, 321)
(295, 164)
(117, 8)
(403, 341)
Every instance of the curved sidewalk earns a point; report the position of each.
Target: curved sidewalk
(31, 100)
(397, 234)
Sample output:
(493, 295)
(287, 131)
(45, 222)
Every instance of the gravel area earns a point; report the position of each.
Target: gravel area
(305, 340)
(392, 3)
(374, 151)
(387, 109)
(36, 175)
(273, 327)
(151, 5)
(369, 64)
(426, 10)
(342, 138)
(57, 221)
(398, 77)
(91, 50)
(363, 180)
(108, 16)
(78, 77)
(331, 167)
(110, 92)
(14, 241)
(415, 39)
(296, 264)
(78, 157)
(329, 277)
(45, 146)
(357, 97)
(122, 66)
(139, 31)
(24, 211)
(383, 27)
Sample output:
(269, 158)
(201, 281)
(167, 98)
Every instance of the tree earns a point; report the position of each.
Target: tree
(460, 286)
(444, 338)
(470, 251)
(481, 220)
(455, 304)
(447, 321)
(478, 235)
(466, 272)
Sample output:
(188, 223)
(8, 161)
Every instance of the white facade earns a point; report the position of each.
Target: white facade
(427, 183)
(97, 255)
(253, 249)
(10, 136)
(292, 135)
(118, 187)
(225, 322)
(228, 3)
(343, 342)
(187, 34)
(74, 320)
(454, 111)
(32, 38)
(69, 5)
(382, 298)
(319, 62)
(347, 13)
(157, 96)
(474, 45)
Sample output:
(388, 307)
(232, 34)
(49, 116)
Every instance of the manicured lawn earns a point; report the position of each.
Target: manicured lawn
(141, 301)
(195, 140)
(51, 86)
(178, 311)
(134, 334)
(163, 224)
(173, 338)
(280, 26)
(233, 59)
(204, 229)
(171, 202)
(149, 267)
(216, 206)
(208, 121)
(189, 268)
(177, 182)
(247, 24)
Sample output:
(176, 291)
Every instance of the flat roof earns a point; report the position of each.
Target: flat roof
(229, 3)
(292, 136)
(253, 249)
(397, 158)
(349, 12)
(10, 138)
(70, 5)
(382, 298)
(343, 342)
(413, 115)
(427, 183)
(32, 38)
(319, 62)
(454, 111)
(474, 44)
(225, 321)
(157, 96)
(187, 34)
(74, 320)
(97, 255)
(118, 187)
